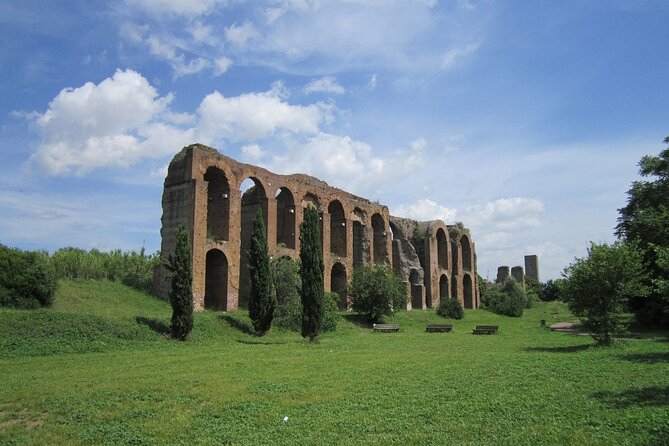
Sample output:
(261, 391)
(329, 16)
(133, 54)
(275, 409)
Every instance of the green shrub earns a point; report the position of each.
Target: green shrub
(329, 317)
(27, 278)
(552, 290)
(451, 308)
(377, 291)
(130, 268)
(507, 298)
(288, 312)
(262, 300)
(286, 277)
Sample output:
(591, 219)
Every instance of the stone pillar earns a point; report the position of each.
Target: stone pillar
(518, 274)
(532, 267)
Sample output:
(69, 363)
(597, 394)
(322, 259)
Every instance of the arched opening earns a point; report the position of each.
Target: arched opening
(338, 284)
(443, 286)
(311, 200)
(216, 281)
(285, 218)
(254, 198)
(337, 229)
(454, 260)
(395, 248)
(454, 288)
(467, 291)
(218, 204)
(466, 253)
(442, 249)
(416, 290)
(359, 255)
(379, 229)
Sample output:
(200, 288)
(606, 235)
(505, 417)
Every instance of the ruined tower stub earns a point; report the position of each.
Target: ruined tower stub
(518, 274)
(532, 267)
(502, 274)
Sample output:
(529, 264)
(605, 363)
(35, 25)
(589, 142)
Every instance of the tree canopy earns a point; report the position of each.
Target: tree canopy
(262, 301)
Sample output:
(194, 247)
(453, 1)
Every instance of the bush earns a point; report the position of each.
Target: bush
(288, 312)
(329, 317)
(451, 308)
(507, 298)
(27, 279)
(130, 268)
(377, 291)
(181, 296)
(286, 277)
(552, 290)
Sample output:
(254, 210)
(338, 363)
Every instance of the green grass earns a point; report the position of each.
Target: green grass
(98, 368)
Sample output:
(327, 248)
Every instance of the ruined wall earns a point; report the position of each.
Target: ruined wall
(532, 267)
(203, 190)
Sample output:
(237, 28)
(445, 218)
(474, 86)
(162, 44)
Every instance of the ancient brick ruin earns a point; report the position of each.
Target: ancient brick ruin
(531, 271)
(203, 190)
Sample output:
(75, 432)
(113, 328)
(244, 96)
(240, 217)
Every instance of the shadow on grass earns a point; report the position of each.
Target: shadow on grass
(154, 324)
(564, 349)
(260, 341)
(647, 358)
(238, 325)
(648, 396)
(358, 319)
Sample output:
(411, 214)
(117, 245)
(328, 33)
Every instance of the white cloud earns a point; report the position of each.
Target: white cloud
(252, 152)
(241, 34)
(426, 210)
(222, 64)
(114, 123)
(188, 8)
(256, 115)
(455, 55)
(180, 66)
(505, 213)
(327, 84)
(372, 82)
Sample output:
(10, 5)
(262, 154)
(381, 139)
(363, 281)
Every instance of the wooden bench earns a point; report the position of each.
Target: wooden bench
(486, 329)
(439, 328)
(386, 328)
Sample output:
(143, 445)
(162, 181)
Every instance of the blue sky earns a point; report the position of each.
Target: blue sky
(524, 120)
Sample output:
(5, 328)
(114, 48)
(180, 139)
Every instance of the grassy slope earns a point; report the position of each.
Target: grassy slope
(525, 385)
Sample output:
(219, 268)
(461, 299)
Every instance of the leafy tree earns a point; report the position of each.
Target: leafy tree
(262, 301)
(598, 288)
(451, 307)
(507, 298)
(311, 273)
(377, 291)
(27, 278)
(644, 221)
(552, 290)
(181, 295)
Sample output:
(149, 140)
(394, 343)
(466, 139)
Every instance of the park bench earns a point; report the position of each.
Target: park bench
(486, 329)
(439, 328)
(386, 328)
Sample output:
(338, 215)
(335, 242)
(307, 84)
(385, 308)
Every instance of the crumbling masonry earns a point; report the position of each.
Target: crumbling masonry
(202, 189)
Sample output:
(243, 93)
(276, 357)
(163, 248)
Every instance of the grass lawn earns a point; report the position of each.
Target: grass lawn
(98, 368)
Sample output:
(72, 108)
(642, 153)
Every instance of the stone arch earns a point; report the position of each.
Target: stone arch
(454, 288)
(254, 198)
(443, 286)
(454, 260)
(218, 204)
(285, 218)
(338, 282)
(360, 244)
(216, 281)
(379, 237)
(442, 249)
(466, 253)
(337, 228)
(468, 289)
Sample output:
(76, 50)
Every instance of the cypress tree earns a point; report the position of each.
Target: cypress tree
(181, 295)
(262, 301)
(311, 272)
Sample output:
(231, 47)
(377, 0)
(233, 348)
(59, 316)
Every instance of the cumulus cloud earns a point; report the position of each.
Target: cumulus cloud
(327, 84)
(114, 123)
(241, 34)
(256, 115)
(252, 152)
(426, 210)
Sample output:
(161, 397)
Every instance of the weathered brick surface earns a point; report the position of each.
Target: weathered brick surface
(202, 190)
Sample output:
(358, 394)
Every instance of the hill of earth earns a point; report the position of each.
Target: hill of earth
(99, 368)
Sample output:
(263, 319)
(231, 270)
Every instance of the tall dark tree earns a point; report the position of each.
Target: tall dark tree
(181, 295)
(311, 273)
(645, 221)
(262, 301)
